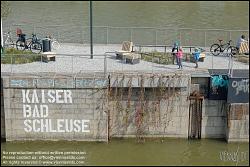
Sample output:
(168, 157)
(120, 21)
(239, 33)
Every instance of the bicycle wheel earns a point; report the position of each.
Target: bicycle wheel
(9, 43)
(215, 49)
(36, 47)
(55, 45)
(231, 50)
(20, 45)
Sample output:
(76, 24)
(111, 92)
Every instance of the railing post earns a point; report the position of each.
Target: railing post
(72, 62)
(41, 63)
(155, 36)
(34, 29)
(58, 36)
(11, 64)
(107, 34)
(105, 65)
(180, 36)
(212, 62)
(82, 35)
(205, 36)
(131, 34)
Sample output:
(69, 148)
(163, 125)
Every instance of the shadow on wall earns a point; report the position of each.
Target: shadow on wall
(214, 120)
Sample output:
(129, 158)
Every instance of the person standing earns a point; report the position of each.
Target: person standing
(175, 50)
(179, 58)
(196, 56)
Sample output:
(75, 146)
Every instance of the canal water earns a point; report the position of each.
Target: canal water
(175, 14)
(151, 152)
(69, 21)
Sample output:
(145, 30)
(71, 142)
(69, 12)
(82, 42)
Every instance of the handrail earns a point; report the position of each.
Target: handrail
(161, 28)
(165, 47)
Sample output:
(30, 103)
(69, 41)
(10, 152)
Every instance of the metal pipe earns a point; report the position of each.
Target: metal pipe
(155, 36)
(205, 34)
(1, 32)
(131, 36)
(91, 32)
(105, 65)
(107, 33)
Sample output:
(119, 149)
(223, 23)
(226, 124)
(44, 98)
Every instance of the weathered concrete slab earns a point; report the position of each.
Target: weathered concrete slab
(238, 122)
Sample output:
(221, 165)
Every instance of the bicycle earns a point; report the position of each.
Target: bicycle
(8, 43)
(54, 43)
(33, 43)
(217, 49)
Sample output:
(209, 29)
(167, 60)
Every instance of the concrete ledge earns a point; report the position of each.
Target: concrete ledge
(49, 56)
(238, 140)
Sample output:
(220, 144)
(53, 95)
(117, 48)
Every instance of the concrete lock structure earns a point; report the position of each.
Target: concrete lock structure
(140, 105)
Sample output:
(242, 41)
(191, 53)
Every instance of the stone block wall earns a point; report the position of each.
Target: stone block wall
(238, 122)
(85, 106)
(156, 106)
(164, 114)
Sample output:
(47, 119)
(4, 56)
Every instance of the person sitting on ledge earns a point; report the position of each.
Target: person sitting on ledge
(240, 41)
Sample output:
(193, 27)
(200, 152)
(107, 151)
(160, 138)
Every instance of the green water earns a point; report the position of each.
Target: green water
(69, 21)
(152, 152)
(176, 14)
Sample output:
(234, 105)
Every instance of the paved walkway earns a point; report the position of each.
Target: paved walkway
(68, 60)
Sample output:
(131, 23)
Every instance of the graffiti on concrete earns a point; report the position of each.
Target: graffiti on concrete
(58, 82)
(88, 83)
(19, 83)
(37, 117)
(101, 82)
(242, 85)
(218, 87)
(219, 81)
(45, 82)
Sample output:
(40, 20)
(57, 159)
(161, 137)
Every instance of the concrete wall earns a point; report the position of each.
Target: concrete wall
(214, 119)
(85, 106)
(164, 115)
(80, 104)
(149, 105)
(238, 122)
(161, 99)
(203, 85)
(213, 111)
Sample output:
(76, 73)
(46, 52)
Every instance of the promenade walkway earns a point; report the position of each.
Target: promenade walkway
(69, 59)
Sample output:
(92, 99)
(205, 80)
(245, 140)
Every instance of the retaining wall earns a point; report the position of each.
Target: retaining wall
(147, 105)
(54, 109)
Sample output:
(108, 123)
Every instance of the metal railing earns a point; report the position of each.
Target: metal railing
(105, 63)
(139, 35)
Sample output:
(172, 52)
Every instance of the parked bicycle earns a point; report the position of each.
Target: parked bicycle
(8, 43)
(54, 43)
(32, 44)
(227, 48)
(35, 44)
